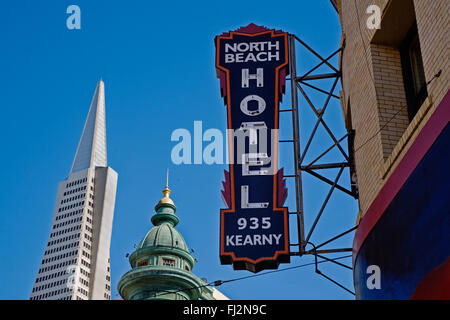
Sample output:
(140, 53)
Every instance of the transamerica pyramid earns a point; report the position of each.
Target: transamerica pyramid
(91, 149)
(76, 265)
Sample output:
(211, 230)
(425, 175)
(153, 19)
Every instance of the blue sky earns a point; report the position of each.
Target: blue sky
(157, 62)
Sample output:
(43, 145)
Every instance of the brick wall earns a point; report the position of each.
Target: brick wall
(392, 110)
(373, 88)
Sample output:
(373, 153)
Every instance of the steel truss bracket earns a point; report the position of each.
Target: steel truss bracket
(315, 168)
(314, 252)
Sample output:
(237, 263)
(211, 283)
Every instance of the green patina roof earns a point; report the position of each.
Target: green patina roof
(164, 235)
(153, 279)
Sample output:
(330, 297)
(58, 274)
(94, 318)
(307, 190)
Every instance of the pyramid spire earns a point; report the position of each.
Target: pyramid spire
(91, 151)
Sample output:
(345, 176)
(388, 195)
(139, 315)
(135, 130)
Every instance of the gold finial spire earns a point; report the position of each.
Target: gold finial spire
(166, 192)
(167, 178)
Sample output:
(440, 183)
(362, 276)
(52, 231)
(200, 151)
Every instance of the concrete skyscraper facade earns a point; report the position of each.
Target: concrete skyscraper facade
(76, 263)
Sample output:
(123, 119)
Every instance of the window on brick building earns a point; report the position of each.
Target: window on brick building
(413, 73)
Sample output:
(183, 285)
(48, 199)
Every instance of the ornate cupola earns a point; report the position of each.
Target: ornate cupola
(162, 264)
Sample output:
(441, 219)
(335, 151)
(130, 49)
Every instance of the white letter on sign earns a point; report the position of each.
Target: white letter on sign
(259, 77)
(261, 105)
(253, 129)
(255, 159)
(229, 58)
(244, 200)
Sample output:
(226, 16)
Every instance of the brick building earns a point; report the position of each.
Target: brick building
(395, 80)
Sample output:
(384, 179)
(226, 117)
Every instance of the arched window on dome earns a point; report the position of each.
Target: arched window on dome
(168, 262)
(143, 263)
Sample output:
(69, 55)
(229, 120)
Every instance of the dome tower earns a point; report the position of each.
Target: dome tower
(162, 264)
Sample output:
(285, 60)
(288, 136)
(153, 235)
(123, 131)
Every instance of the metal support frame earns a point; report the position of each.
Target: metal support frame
(298, 83)
(324, 275)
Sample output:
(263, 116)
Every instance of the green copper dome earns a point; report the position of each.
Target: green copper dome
(161, 265)
(164, 235)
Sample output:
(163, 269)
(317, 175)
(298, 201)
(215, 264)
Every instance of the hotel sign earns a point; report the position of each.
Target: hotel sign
(252, 64)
